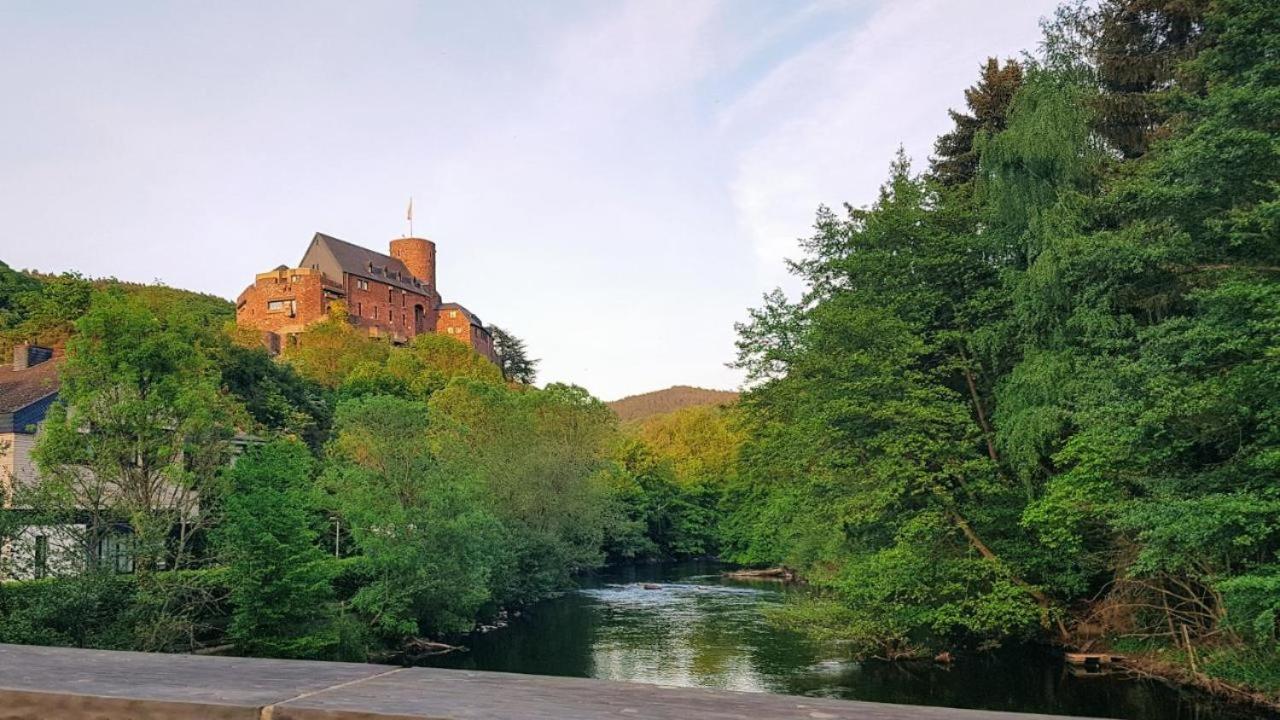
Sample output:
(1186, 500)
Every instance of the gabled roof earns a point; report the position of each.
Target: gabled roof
(471, 317)
(22, 388)
(333, 257)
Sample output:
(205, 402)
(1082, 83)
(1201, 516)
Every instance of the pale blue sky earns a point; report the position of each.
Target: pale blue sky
(616, 182)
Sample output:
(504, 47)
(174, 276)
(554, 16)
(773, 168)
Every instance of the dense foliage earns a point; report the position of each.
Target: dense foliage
(1030, 392)
(1033, 391)
(380, 494)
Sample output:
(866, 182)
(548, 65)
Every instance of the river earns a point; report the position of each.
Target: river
(698, 629)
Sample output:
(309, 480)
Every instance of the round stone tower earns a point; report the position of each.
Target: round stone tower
(419, 255)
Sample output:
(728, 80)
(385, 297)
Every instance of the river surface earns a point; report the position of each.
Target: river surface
(699, 630)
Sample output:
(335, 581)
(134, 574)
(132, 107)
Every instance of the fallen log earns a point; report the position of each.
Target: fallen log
(420, 648)
(781, 574)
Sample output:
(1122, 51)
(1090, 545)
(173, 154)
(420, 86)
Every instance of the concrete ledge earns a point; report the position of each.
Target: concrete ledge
(39, 683)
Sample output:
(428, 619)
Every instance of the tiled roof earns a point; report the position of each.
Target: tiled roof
(21, 388)
(471, 317)
(355, 260)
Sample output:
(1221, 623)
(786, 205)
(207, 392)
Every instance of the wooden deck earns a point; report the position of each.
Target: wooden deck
(39, 683)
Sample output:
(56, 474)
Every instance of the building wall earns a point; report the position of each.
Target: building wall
(16, 467)
(459, 325)
(419, 256)
(283, 301)
(382, 309)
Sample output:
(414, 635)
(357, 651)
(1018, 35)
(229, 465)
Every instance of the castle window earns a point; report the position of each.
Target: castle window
(362, 284)
(359, 310)
(375, 312)
(296, 278)
(275, 305)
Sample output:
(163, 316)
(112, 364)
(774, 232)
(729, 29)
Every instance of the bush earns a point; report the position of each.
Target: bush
(173, 611)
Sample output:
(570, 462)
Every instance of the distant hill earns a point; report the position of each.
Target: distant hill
(638, 407)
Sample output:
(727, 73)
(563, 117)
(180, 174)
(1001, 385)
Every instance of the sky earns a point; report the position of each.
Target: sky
(614, 182)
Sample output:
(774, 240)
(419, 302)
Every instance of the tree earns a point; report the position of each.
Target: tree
(328, 351)
(275, 396)
(1140, 49)
(140, 433)
(955, 159)
(45, 310)
(866, 463)
(514, 359)
(14, 286)
(540, 455)
(422, 527)
(281, 597)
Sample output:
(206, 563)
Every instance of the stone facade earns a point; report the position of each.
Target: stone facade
(392, 296)
(459, 323)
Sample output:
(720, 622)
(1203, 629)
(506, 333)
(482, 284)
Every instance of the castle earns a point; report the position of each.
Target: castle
(392, 296)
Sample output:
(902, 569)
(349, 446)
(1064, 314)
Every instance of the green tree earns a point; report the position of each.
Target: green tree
(281, 597)
(419, 521)
(140, 432)
(513, 357)
(541, 455)
(328, 351)
(955, 159)
(274, 395)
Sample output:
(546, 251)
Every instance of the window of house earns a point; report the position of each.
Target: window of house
(359, 310)
(275, 305)
(116, 550)
(453, 313)
(295, 278)
(362, 284)
(41, 566)
(375, 312)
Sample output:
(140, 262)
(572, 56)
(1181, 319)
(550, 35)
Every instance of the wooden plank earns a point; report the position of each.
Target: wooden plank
(69, 684)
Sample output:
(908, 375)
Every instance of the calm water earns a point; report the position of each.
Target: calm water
(701, 630)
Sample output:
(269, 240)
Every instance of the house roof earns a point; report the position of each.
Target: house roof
(333, 257)
(22, 388)
(471, 317)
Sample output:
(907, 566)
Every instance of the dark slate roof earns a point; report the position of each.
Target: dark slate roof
(22, 388)
(333, 257)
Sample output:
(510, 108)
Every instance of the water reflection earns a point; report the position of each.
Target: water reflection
(685, 626)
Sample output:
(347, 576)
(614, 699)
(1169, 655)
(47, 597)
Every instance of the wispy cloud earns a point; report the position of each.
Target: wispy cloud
(614, 182)
(822, 126)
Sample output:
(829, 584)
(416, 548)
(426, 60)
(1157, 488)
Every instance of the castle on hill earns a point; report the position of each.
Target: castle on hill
(392, 296)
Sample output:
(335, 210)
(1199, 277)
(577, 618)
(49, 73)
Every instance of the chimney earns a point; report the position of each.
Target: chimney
(26, 355)
(419, 256)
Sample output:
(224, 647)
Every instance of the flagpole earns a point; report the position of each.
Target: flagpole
(410, 216)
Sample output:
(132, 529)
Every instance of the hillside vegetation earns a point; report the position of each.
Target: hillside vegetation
(677, 397)
(1033, 392)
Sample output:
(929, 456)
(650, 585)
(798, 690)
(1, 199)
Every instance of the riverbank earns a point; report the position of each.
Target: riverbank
(1172, 668)
(700, 629)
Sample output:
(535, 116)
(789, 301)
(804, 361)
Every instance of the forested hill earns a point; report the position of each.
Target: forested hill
(41, 307)
(638, 407)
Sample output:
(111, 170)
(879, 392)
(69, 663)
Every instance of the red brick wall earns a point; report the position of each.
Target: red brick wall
(457, 325)
(386, 310)
(419, 256)
(376, 307)
(299, 291)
